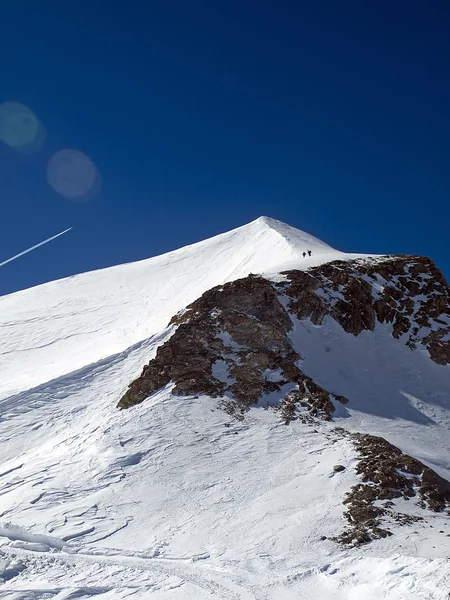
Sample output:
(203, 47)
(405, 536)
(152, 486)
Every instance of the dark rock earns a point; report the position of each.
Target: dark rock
(338, 468)
(349, 291)
(249, 314)
(387, 473)
(356, 293)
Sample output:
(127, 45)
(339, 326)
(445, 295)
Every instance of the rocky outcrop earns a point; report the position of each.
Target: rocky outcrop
(308, 401)
(233, 343)
(387, 474)
(407, 291)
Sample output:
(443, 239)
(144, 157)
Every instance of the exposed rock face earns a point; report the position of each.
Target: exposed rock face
(407, 291)
(233, 342)
(308, 401)
(387, 473)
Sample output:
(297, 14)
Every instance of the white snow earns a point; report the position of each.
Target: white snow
(56, 328)
(173, 500)
(393, 392)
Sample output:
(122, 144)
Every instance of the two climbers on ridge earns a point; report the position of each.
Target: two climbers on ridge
(309, 253)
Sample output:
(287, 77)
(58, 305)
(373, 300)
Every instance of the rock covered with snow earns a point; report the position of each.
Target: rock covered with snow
(240, 329)
(233, 343)
(408, 292)
(387, 474)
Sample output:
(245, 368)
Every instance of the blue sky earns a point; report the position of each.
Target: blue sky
(202, 116)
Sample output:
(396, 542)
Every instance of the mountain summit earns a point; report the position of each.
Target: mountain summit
(297, 240)
(229, 420)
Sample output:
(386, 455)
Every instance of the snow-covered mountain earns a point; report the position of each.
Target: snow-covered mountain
(58, 327)
(247, 372)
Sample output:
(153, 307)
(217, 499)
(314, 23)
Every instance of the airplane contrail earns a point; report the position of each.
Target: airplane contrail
(34, 247)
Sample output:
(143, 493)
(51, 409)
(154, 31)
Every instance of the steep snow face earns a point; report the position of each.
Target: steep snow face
(61, 326)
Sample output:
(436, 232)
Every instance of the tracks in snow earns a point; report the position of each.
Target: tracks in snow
(108, 571)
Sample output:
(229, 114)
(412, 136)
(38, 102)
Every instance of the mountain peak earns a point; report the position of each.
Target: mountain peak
(269, 221)
(135, 300)
(296, 238)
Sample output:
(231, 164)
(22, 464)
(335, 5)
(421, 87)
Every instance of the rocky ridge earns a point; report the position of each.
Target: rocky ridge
(387, 474)
(233, 341)
(407, 291)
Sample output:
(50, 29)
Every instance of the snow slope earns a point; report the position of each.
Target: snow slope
(171, 498)
(61, 326)
(395, 393)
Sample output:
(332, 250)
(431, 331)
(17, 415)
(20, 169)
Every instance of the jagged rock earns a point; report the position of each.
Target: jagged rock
(387, 473)
(249, 313)
(438, 348)
(308, 401)
(358, 293)
(243, 326)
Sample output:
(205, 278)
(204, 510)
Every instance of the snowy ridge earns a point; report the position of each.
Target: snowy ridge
(56, 328)
(172, 499)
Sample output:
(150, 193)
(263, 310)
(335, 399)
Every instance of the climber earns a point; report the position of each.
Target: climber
(304, 254)
(309, 252)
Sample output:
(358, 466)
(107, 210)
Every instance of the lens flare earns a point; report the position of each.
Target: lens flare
(20, 128)
(73, 175)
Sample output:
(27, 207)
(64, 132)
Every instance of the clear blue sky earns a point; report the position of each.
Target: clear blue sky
(202, 116)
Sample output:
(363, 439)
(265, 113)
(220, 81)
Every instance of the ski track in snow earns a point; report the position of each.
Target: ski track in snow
(170, 499)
